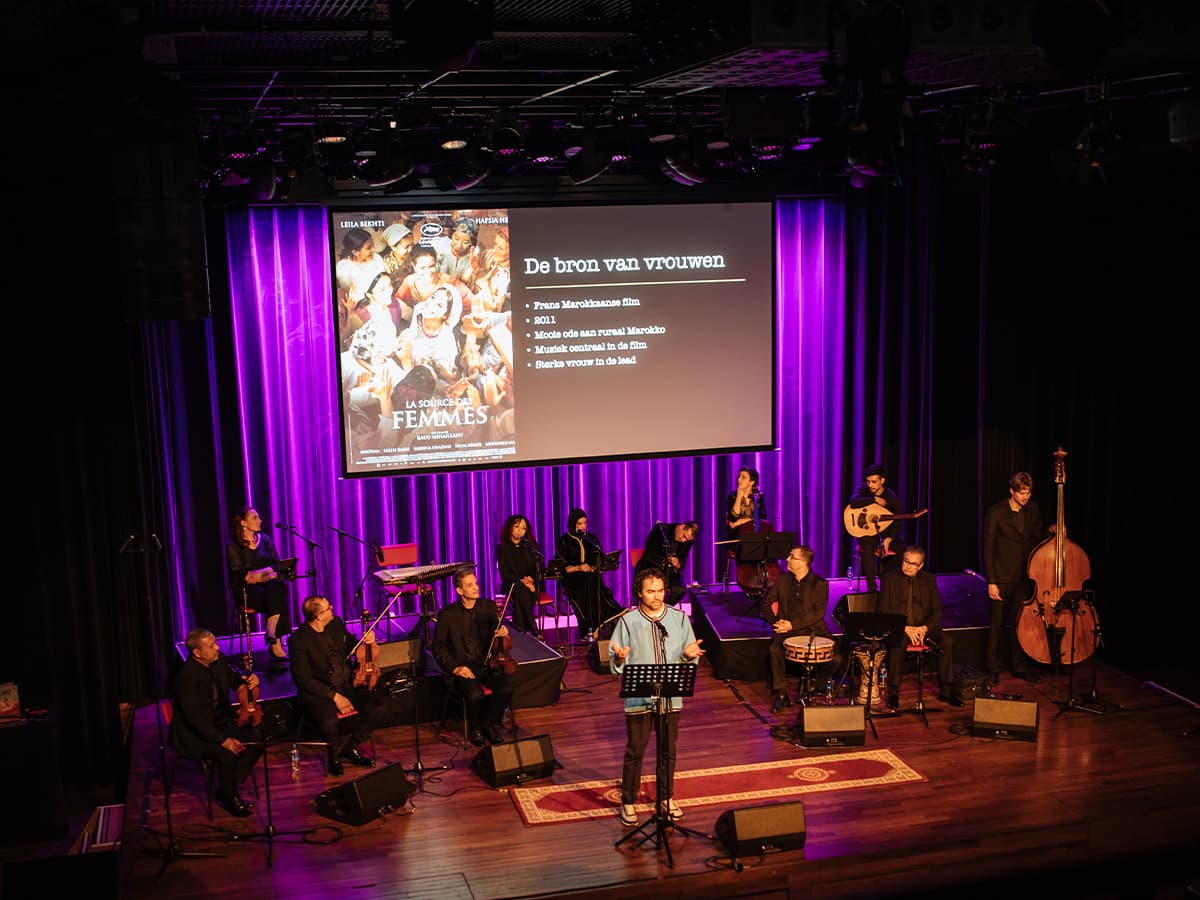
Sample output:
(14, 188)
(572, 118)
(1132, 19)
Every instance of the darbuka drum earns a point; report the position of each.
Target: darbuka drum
(808, 650)
(869, 682)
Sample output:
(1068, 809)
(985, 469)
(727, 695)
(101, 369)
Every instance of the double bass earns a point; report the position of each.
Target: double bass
(756, 576)
(1058, 624)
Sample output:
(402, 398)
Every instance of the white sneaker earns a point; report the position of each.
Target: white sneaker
(627, 814)
(673, 811)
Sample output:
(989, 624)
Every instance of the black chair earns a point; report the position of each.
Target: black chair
(206, 767)
(454, 697)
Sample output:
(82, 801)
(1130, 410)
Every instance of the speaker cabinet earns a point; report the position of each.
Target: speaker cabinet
(598, 657)
(1008, 720)
(833, 726)
(758, 829)
(515, 762)
(364, 799)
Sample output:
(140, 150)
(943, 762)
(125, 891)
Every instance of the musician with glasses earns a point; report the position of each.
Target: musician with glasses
(795, 607)
(913, 593)
(667, 547)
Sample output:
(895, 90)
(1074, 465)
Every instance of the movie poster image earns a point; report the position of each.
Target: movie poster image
(424, 325)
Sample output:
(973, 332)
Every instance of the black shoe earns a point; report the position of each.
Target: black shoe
(893, 702)
(235, 807)
(951, 699)
(495, 734)
(993, 679)
(1031, 677)
(353, 756)
(476, 737)
(334, 767)
(782, 701)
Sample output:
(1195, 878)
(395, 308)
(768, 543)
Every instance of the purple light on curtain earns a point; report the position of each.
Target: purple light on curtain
(287, 418)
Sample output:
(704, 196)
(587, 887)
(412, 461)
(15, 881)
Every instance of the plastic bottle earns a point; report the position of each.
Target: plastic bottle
(295, 757)
(850, 572)
(829, 691)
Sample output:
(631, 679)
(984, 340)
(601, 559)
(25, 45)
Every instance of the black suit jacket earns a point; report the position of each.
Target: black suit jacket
(1006, 547)
(927, 602)
(319, 659)
(203, 711)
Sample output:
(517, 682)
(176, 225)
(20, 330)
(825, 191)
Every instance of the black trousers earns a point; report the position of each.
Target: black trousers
(484, 708)
(637, 730)
(897, 653)
(324, 714)
(233, 768)
(1002, 633)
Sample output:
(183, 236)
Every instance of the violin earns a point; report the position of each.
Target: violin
(499, 656)
(367, 672)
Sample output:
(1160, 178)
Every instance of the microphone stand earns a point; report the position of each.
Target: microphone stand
(312, 556)
(376, 549)
(170, 851)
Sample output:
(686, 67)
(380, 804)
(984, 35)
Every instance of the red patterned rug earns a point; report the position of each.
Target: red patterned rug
(553, 803)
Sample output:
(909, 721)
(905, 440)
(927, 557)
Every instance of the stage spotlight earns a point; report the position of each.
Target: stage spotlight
(680, 159)
(473, 169)
(588, 159)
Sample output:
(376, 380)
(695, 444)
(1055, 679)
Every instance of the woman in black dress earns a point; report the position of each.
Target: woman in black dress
(519, 561)
(254, 578)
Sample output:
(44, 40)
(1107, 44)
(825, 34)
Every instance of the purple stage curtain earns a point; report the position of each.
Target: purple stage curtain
(275, 423)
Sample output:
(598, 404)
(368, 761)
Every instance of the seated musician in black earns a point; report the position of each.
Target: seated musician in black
(205, 726)
(320, 651)
(795, 607)
(913, 593)
(461, 640)
(582, 581)
(667, 547)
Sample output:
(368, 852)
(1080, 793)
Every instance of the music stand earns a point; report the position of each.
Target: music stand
(874, 629)
(660, 682)
(758, 548)
(269, 833)
(393, 656)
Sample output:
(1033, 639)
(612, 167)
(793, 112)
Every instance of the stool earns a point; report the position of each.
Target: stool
(545, 604)
(920, 652)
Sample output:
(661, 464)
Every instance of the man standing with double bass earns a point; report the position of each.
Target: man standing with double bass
(1011, 529)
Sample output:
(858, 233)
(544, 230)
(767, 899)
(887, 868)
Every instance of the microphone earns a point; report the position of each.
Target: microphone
(972, 573)
(284, 526)
(662, 629)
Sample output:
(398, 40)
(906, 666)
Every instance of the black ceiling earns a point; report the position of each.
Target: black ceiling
(885, 83)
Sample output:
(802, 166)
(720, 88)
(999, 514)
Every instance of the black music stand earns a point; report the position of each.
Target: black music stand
(608, 562)
(873, 629)
(758, 548)
(1070, 600)
(270, 832)
(394, 656)
(660, 682)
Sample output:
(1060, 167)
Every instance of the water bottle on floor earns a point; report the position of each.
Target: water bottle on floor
(295, 757)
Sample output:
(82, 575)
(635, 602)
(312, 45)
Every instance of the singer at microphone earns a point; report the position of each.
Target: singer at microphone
(742, 505)
(652, 634)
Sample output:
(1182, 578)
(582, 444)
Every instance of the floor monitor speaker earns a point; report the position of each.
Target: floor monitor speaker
(1008, 720)
(833, 726)
(758, 829)
(515, 762)
(369, 797)
(598, 657)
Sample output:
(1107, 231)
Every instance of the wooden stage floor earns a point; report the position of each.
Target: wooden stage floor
(1102, 804)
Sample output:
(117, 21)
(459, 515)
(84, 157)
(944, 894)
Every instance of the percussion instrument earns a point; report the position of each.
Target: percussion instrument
(808, 650)
(869, 666)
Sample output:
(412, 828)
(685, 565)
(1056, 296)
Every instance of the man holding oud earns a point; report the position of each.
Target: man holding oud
(869, 503)
(463, 640)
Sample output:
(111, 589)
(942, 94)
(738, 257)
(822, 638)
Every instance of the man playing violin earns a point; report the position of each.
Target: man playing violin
(466, 634)
(795, 605)
(204, 725)
(320, 652)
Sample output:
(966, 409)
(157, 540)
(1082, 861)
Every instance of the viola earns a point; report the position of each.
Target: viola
(249, 709)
